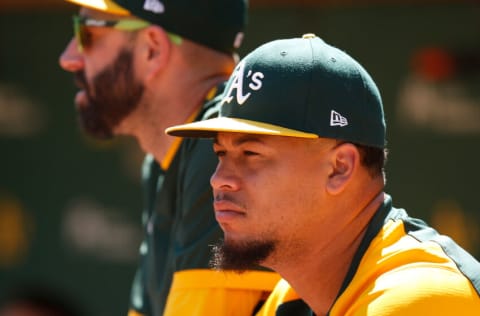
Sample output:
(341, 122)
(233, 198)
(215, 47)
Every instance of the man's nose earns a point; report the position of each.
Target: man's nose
(71, 59)
(224, 178)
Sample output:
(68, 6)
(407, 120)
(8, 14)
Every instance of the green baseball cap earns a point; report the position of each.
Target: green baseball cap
(300, 87)
(218, 24)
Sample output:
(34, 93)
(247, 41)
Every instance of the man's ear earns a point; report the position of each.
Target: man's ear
(345, 161)
(156, 50)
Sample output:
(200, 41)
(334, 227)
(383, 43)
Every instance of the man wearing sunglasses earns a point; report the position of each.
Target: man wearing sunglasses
(141, 66)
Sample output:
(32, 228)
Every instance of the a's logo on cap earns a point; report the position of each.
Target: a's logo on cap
(237, 83)
(336, 119)
(155, 6)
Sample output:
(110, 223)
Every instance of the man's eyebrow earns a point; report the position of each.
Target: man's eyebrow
(247, 138)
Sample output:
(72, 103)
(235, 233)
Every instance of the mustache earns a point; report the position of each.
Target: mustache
(225, 197)
(80, 80)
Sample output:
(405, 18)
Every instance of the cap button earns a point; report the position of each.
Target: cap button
(308, 35)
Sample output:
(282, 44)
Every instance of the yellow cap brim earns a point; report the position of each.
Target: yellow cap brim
(209, 128)
(102, 5)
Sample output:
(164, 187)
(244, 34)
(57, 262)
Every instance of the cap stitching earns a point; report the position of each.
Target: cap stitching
(309, 91)
(363, 99)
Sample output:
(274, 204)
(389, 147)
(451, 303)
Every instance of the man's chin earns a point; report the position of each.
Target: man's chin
(95, 128)
(241, 255)
(101, 134)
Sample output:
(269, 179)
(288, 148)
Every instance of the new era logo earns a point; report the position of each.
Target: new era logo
(336, 119)
(155, 6)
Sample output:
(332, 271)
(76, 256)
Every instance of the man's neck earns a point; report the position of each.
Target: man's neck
(318, 273)
(160, 113)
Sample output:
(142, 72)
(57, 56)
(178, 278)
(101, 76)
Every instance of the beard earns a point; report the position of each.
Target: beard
(112, 95)
(241, 256)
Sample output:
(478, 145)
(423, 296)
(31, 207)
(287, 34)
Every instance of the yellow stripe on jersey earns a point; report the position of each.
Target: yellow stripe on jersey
(282, 293)
(132, 312)
(172, 151)
(201, 278)
(210, 292)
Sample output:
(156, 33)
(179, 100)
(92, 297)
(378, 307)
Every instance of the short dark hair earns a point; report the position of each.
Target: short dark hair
(373, 158)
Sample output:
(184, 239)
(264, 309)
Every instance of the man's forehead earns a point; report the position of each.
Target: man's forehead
(237, 138)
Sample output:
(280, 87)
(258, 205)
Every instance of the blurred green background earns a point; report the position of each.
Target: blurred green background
(70, 205)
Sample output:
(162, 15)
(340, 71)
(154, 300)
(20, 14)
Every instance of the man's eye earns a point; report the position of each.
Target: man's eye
(220, 153)
(86, 37)
(249, 153)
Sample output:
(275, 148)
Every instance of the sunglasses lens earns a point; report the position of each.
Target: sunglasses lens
(81, 33)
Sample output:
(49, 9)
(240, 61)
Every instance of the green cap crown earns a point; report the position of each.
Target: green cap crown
(299, 87)
(217, 24)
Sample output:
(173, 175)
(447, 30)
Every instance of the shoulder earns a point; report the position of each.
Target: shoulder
(420, 289)
(411, 271)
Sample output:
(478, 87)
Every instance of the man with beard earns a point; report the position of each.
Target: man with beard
(298, 188)
(142, 66)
